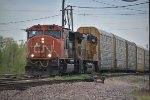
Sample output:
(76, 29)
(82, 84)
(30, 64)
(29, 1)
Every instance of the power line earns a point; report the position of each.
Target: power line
(23, 21)
(129, 5)
(22, 10)
(129, 0)
(12, 30)
(108, 15)
(123, 14)
(138, 28)
(112, 6)
(123, 6)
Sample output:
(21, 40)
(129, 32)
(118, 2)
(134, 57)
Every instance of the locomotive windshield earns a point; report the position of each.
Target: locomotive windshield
(32, 33)
(54, 33)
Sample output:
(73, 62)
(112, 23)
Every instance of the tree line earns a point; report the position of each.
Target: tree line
(12, 56)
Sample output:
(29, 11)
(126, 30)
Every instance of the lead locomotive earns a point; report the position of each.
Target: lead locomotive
(53, 50)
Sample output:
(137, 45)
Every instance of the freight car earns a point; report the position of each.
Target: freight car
(107, 50)
(55, 50)
(120, 53)
(131, 56)
(146, 60)
(140, 59)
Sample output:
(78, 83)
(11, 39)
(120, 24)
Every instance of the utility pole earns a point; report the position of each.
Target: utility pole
(69, 11)
(63, 13)
(149, 71)
(149, 66)
(68, 18)
(71, 14)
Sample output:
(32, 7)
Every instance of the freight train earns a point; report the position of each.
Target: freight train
(55, 50)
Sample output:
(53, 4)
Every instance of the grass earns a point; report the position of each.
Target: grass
(12, 70)
(137, 80)
(71, 77)
(141, 94)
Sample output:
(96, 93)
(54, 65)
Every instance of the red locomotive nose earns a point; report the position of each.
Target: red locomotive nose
(42, 46)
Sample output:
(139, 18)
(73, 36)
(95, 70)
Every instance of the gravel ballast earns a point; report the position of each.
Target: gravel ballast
(116, 88)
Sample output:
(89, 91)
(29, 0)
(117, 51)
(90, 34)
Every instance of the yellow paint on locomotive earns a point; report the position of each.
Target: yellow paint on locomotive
(91, 48)
(92, 30)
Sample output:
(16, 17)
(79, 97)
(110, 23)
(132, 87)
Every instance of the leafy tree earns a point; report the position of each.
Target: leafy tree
(9, 52)
(12, 56)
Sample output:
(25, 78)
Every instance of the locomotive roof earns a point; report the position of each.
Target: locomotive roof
(53, 26)
(94, 30)
(36, 27)
(89, 29)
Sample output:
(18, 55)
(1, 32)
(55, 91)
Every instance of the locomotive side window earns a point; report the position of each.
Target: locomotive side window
(54, 33)
(32, 33)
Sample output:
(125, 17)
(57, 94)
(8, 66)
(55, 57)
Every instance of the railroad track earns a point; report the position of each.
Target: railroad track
(14, 83)
(23, 84)
(109, 75)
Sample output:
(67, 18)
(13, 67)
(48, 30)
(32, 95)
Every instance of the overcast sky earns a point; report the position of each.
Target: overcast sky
(130, 23)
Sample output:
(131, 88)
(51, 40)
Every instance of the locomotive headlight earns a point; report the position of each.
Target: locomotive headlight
(42, 39)
(32, 55)
(49, 55)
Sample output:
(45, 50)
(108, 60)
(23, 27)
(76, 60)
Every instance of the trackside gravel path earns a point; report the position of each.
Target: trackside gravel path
(115, 88)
